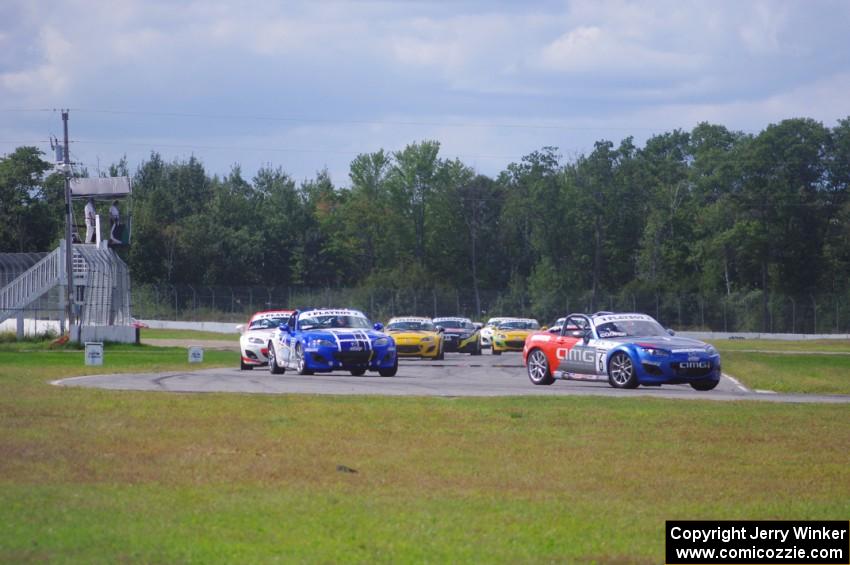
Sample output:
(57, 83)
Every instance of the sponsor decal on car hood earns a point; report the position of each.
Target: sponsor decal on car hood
(671, 343)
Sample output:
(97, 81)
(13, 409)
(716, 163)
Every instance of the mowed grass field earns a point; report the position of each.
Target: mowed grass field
(151, 333)
(816, 366)
(104, 476)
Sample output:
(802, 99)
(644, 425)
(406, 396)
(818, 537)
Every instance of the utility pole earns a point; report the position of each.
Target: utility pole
(69, 248)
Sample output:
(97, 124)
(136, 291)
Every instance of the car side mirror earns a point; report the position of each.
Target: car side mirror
(240, 328)
(378, 326)
(440, 329)
(478, 325)
(671, 332)
(577, 333)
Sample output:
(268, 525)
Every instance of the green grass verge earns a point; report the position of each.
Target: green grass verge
(151, 333)
(813, 346)
(807, 367)
(820, 374)
(105, 476)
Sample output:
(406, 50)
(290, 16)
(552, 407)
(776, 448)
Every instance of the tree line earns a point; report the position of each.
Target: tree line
(709, 211)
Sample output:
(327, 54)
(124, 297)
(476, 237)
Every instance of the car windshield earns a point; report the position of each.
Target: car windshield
(630, 328)
(423, 326)
(325, 321)
(455, 324)
(519, 325)
(267, 323)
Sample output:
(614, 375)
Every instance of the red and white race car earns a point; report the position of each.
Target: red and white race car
(255, 337)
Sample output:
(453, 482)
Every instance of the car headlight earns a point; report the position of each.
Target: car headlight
(464, 336)
(255, 340)
(710, 349)
(381, 342)
(321, 343)
(657, 352)
(428, 339)
(502, 336)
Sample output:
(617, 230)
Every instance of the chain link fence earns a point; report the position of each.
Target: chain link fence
(738, 312)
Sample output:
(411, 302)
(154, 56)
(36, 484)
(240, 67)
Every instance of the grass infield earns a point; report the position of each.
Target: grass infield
(104, 476)
(809, 367)
(775, 345)
(151, 333)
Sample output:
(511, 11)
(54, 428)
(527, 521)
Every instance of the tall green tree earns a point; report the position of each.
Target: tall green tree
(31, 200)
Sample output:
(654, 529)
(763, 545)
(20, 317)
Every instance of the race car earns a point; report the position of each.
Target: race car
(323, 340)
(487, 331)
(255, 336)
(510, 334)
(625, 349)
(556, 326)
(459, 334)
(416, 337)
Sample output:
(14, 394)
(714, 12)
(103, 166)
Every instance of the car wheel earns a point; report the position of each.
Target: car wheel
(440, 354)
(538, 368)
(704, 385)
(244, 366)
(477, 350)
(621, 371)
(494, 351)
(300, 362)
(274, 368)
(358, 372)
(389, 371)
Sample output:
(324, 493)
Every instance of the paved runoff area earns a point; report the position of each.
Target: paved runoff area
(457, 375)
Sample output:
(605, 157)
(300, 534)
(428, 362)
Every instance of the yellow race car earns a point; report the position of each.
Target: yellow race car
(510, 334)
(416, 337)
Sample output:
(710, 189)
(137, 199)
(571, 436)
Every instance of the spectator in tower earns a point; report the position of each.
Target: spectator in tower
(114, 223)
(90, 220)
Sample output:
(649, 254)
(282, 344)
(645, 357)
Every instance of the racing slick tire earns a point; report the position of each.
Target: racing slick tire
(274, 369)
(389, 371)
(494, 351)
(704, 385)
(300, 362)
(440, 354)
(621, 371)
(244, 366)
(538, 368)
(358, 372)
(477, 350)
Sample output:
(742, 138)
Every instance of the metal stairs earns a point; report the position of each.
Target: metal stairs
(31, 284)
(98, 274)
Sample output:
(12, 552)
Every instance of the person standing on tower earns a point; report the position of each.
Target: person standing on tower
(90, 220)
(114, 223)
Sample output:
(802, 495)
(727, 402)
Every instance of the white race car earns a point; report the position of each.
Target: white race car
(487, 331)
(255, 337)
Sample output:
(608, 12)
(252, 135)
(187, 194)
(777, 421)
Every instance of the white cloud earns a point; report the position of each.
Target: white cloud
(594, 49)
(760, 34)
(822, 100)
(613, 68)
(51, 76)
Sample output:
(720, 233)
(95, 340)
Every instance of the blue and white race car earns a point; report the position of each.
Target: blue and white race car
(627, 350)
(324, 340)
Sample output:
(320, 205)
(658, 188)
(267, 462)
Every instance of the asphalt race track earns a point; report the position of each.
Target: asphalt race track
(458, 375)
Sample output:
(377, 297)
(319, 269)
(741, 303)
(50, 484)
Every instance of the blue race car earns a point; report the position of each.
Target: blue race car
(325, 340)
(627, 350)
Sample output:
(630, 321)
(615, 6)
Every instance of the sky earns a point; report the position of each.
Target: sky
(307, 86)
